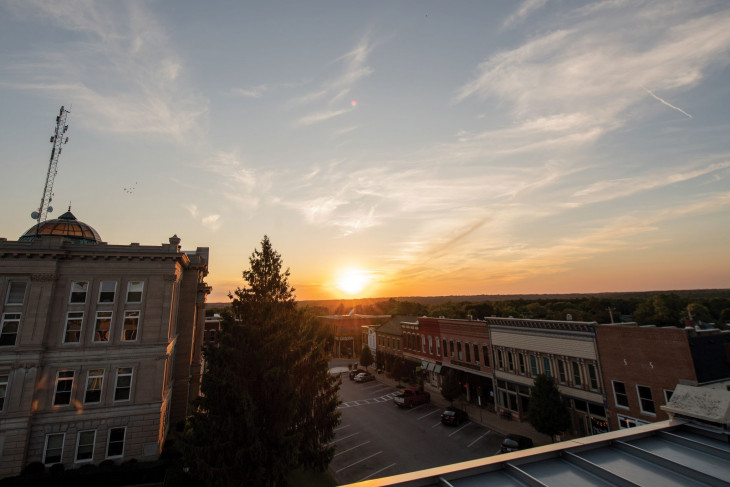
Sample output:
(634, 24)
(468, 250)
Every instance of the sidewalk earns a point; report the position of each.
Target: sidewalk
(478, 415)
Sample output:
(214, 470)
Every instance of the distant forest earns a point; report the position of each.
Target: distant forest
(668, 308)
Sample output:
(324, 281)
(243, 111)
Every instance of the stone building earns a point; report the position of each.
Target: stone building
(99, 345)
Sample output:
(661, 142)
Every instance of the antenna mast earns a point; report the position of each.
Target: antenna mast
(58, 140)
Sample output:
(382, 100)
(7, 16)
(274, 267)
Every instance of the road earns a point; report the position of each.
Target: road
(378, 439)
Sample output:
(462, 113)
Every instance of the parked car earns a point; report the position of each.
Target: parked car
(354, 372)
(411, 397)
(514, 443)
(454, 416)
(364, 377)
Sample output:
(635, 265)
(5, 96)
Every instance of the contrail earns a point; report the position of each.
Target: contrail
(667, 103)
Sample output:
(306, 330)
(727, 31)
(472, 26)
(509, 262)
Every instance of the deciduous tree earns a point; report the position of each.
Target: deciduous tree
(268, 404)
(547, 412)
(366, 357)
(451, 388)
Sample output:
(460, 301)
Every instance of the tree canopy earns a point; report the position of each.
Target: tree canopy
(366, 357)
(451, 388)
(548, 414)
(268, 403)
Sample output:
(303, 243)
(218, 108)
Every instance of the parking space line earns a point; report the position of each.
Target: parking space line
(356, 446)
(467, 424)
(485, 434)
(375, 473)
(429, 414)
(437, 424)
(343, 438)
(417, 407)
(361, 460)
(341, 427)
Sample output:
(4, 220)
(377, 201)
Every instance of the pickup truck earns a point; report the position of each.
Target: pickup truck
(411, 397)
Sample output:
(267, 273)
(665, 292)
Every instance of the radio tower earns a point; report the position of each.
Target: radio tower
(58, 140)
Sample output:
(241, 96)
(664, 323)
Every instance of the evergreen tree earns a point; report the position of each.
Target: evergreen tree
(451, 388)
(268, 404)
(366, 357)
(548, 414)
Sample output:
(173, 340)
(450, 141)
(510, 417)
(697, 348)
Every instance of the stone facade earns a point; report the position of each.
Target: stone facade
(99, 348)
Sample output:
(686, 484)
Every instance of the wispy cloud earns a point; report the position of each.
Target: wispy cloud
(353, 68)
(121, 73)
(252, 92)
(525, 10)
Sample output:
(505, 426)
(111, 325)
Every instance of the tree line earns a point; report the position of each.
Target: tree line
(661, 309)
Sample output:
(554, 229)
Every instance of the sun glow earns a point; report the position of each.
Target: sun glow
(353, 281)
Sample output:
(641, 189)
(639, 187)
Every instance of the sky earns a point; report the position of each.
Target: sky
(387, 148)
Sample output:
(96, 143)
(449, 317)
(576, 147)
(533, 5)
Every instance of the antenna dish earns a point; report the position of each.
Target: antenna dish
(34, 215)
(50, 209)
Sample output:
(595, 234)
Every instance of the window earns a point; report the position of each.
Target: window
(107, 291)
(115, 443)
(627, 422)
(9, 329)
(53, 450)
(500, 359)
(94, 384)
(646, 402)
(485, 354)
(576, 374)
(467, 350)
(445, 349)
(103, 323)
(458, 351)
(423, 343)
(451, 348)
(667, 396)
(64, 385)
(430, 345)
(78, 292)
(562, 374)
(438, 352)
(593, 377)
(476, 354)
(521, 358)
(3, 390)
(546, 366)
(74, 320)
(16, 293)
(134, 291)
(131, 322)
(85, 446)
(619, 394)
(533, 365)
(510, 361)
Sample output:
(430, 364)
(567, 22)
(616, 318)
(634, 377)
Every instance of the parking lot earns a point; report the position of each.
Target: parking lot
(378, 439)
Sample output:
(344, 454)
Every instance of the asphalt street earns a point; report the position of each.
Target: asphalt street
(376, 438)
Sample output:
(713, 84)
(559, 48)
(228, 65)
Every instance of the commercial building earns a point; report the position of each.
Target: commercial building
(642, 366)
(564, 350)
(99, 345)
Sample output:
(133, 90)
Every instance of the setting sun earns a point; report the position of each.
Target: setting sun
(353, 281)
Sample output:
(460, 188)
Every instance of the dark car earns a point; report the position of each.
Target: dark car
(354, 372)
(515, 442)
(364, 377)
(454, 416)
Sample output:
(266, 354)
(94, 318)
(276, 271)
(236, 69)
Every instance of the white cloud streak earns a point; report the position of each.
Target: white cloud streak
(525, 10)
(667, 103)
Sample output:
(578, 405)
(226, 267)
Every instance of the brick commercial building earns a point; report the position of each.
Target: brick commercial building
(642, 366)
(99, 345)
